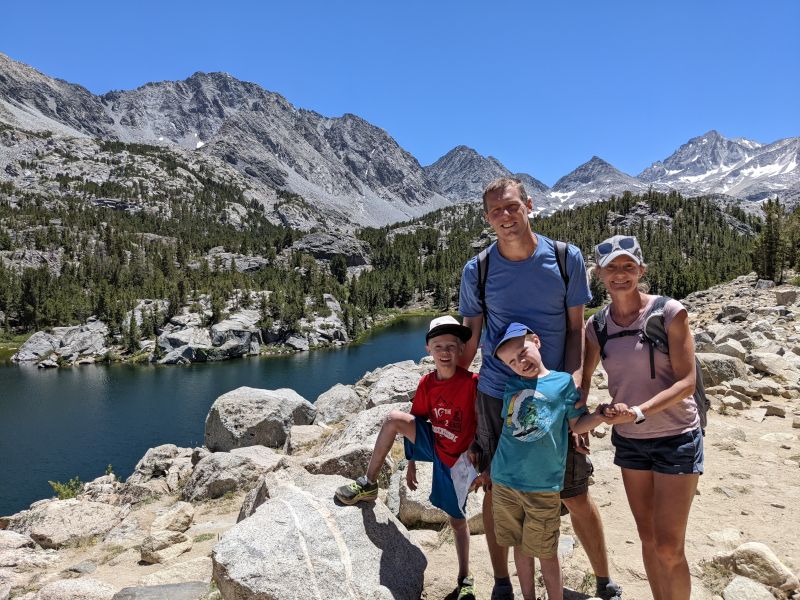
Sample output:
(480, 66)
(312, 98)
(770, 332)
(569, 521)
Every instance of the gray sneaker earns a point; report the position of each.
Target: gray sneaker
(612, 591)
(357, 491)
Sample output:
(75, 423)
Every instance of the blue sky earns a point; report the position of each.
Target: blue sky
(541, 86)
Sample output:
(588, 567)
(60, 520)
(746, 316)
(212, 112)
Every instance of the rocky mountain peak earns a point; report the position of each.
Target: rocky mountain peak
(699, 156)
(595, 170)
(462, 174)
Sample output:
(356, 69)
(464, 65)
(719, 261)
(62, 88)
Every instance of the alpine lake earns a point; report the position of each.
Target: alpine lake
(56, 424)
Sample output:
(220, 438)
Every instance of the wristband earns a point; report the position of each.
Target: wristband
(640, 418)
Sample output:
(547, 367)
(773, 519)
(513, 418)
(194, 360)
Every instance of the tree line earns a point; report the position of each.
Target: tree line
(112, 258)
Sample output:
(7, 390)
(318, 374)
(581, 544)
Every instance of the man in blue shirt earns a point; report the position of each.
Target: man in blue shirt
(524, 284)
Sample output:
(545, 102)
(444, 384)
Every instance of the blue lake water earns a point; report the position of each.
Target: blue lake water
(59, 423)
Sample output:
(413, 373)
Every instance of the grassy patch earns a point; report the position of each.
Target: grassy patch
(111, 552)
(204, 537)
(9, 344)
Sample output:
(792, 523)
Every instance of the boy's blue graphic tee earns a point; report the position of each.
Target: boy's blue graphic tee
(532, 451)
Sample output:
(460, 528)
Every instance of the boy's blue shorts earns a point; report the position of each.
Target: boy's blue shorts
(443, 494)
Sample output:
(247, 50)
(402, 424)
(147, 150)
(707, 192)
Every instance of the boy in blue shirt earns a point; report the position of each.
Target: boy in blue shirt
(528, 466)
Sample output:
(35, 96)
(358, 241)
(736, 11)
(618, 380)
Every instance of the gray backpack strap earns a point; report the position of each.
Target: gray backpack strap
(561, 258)
(483, 271)
(601, 329)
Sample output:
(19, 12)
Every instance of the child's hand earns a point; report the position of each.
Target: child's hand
(617, 413)
(474, 454)
(484, 480)
(411, 475)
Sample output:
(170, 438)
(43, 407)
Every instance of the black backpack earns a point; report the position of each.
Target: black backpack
(654, 335)
(560, 249)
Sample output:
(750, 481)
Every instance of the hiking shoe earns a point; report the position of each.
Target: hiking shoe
(357, 491)
(466, 589)
(503, 591)
(611, 591)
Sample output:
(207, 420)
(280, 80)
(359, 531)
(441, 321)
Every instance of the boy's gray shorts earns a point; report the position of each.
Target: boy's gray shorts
(490, 424)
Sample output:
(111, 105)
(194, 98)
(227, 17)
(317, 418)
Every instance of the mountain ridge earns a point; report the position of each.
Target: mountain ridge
(353, 170)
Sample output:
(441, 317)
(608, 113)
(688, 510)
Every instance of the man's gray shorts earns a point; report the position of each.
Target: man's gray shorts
(490, 425)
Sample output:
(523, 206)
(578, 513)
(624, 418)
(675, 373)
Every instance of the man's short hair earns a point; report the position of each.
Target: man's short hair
(501, 183)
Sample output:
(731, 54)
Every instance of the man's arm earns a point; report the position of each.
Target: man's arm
(471, 347)
(573, 351)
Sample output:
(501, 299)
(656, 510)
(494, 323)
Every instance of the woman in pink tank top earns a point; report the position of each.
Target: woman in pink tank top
(656, 431)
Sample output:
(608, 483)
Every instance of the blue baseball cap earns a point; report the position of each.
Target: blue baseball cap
(514, 330)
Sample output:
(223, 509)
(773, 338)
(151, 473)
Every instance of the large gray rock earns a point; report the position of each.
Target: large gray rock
(85, 340)
(336, 403)
(758, 562)
(70, 343)
(60, 523)
(249, 416)
(163, 546)
(36, 347)
(76, 589)
(177, 517)
(11, 540)
(718, 368)
(195, 336)
(742, 588)
(372, 377)
(728, 332)
(351, 462)
(190, 590)
(239, 328)
(786, 297)
(254, 498)
(363, 429)
(266, 459)
(302, 535)
(395, 385)
(772, 364)
(731, 347)
(163, 469)
(193, 569)
(220, 473)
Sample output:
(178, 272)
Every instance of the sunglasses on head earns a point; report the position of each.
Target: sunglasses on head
(625, 243)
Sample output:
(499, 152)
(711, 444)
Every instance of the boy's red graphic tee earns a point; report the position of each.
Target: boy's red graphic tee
(449, 405)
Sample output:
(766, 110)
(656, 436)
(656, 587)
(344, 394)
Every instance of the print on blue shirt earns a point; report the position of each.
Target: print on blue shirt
(532, 451)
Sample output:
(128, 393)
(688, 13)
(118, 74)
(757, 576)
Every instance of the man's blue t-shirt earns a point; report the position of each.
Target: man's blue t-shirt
(532, 451)
(530, 292)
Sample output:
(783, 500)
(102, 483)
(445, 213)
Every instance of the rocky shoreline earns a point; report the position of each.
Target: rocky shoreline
(186, 338)
(251, 513)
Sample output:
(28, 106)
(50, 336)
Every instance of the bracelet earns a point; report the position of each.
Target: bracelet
(640, 418)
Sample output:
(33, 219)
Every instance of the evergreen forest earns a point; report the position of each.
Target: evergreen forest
(111, 258)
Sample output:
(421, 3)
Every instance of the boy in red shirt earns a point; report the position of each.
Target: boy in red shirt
(439, 429)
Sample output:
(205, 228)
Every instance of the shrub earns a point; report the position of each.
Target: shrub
(67, 490)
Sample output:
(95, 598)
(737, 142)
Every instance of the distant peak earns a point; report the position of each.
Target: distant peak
(597, 161)
(711, 135)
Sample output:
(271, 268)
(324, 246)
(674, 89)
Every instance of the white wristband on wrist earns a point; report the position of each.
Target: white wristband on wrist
(640, 418)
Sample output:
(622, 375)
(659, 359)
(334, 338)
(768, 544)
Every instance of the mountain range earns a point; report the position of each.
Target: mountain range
(345, 169)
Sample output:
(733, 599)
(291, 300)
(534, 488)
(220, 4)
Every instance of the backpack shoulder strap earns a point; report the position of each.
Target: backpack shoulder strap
(601, 329)
(483, 271)
(561, 259)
